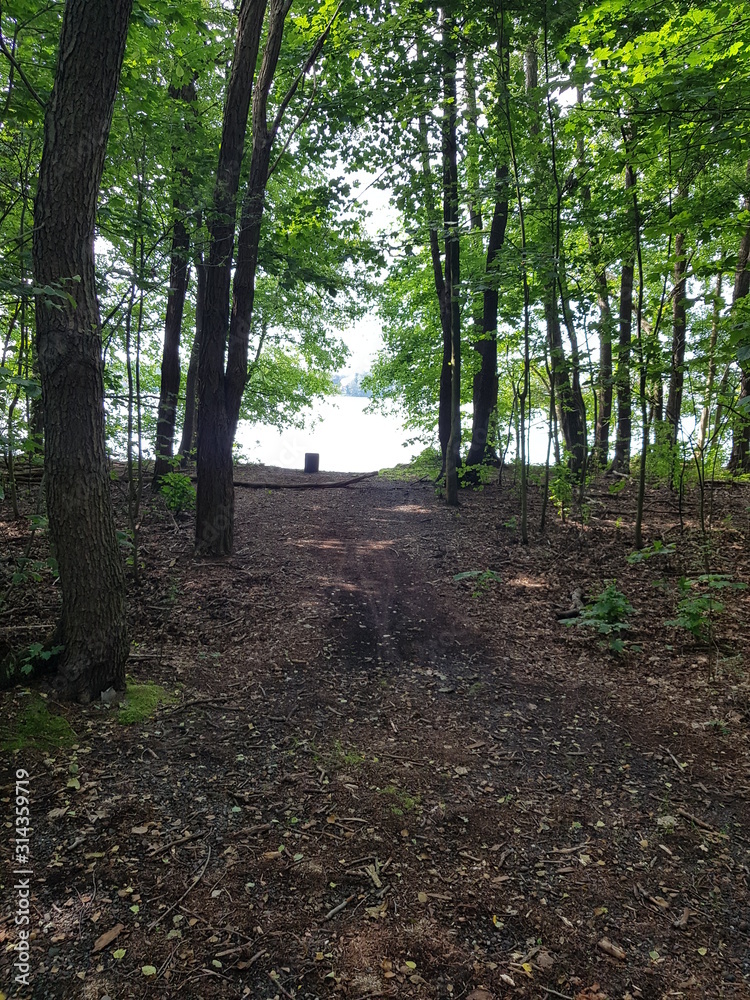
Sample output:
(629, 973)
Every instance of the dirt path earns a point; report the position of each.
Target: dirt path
(490, 796)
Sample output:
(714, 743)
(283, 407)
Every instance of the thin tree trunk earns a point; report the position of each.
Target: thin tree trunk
(568, 410)
(170, 363)
(604, 415)
(679, 329)
(621, 459)
(452, 253)
(444, 391)
(603, 394)
(179, 275)
(739, 460)
(485, 380)
(569, 399)
(191, 388)
(82, 529)
(706, 411)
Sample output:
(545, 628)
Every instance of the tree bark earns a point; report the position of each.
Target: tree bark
(485, 380)
(243, 296)
(603, 420)
(452, 253)
(217, 423)
(82, 530)
(215, 493)
(169, 387)
(679, 329)
(711, 378)
(170, 362)
(621, 459)
(569, 413)
(604, 413)
(444, 391)
(191, 382)
(739, 460)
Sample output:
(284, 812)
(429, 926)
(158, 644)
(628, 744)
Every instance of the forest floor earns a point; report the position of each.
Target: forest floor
(373, 780)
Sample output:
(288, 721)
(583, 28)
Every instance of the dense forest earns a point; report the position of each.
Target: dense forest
(572, 185)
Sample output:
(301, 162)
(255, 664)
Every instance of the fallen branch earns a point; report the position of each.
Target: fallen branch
(695, 819)
(339, 908)
(301, 486)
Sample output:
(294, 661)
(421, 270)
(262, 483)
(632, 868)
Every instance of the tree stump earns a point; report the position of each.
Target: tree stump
(312, 461)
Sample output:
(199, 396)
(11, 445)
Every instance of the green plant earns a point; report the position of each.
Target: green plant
(403, 801)
(561, 488)
(425, 465)
(178, 491)
(476, 477)
(657, 548)
(699, 606)
(719, 726)
(35, 652)
(338, 757)
(607, 613)
(32, 569)
(482, 578)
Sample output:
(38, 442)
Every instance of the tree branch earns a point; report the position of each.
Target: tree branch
(14, 63)
(314, 53)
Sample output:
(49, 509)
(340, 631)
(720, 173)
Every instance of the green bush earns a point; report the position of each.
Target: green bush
(607, 613)
(178, 491)
(699, 606)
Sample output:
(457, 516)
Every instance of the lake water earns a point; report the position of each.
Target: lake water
(348, 439)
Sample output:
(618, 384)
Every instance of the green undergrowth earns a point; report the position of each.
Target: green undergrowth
(403, 802)
(35, 727)
(426, 464)
(141, 701)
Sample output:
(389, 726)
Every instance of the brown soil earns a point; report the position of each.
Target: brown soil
(376, 782)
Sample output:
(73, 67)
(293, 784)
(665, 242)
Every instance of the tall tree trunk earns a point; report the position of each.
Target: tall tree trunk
(215, 494)
(170, 362)
(452, 252)
(739, 460)
(621, 459)
(604, 413)
(485, 380)
(82, 530)
(444, 390)
(706, 411)
(604, 390)
(243, 296)
(569, 412)
(179, 275)
(191, 381)
(679, 328)
(217, 424)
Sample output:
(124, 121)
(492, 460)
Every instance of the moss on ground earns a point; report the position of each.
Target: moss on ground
(141, 701)
(35, 727)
